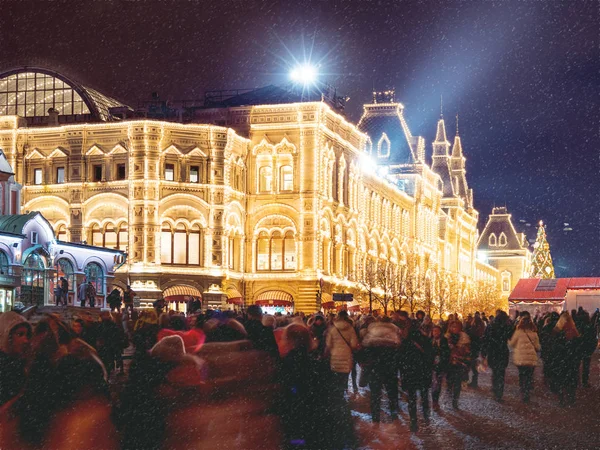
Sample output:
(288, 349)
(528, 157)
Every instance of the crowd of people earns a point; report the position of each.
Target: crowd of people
(248, 380)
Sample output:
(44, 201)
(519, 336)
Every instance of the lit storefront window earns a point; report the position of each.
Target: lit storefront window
(276, 252)
(287, 178)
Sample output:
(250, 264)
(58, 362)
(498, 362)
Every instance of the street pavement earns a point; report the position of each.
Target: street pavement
(483, 423)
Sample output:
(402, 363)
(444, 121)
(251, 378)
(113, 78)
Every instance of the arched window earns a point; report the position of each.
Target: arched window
(286, 178)
(180, 244)
(289, 247)
(262, 251)
(33, 278)
(110, 236)
(383, 147)
(502, 240)
(97, 236)
(505, 281)
(265, 179)
(95, 275)
(492, 240)
(4, 266)
(195, 245)
(123, 236)
(64, 268)
(61, 233)
(166, 244)
(276, 252)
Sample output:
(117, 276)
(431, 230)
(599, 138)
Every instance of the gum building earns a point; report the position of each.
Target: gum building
(268, 196)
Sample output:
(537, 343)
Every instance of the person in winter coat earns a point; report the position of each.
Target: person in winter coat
(460, 356)
(416, 366)
(318, 327)
(110, 342)
(15, 335)
(475, 329)
(261, 336)
(114, 300)
(380, 348)
(305, 410)
(568, 350)
(495, 349)
(589, 342)
(548, 354)
(441, 359)
(340, 343)
(526, 344)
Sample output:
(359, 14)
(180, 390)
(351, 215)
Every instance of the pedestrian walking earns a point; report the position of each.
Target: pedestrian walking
(441, 359)
(380, 349)
(460, 356)
(526, 344)
(416, 366)
(340, 344)
(495, 350)
(128, 297)
(568, 348)
(82, 293)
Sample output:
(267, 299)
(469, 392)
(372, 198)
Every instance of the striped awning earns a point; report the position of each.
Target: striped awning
(274, 298)
(181, 293)
(234, 296)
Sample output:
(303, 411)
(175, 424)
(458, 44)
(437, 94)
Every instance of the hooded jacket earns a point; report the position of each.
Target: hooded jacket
(12, 368)
(341, 342)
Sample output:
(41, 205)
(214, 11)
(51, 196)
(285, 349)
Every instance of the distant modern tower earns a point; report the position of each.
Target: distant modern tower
(541, 266)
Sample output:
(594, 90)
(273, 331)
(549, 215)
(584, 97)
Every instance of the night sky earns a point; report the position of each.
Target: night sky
(522, 75)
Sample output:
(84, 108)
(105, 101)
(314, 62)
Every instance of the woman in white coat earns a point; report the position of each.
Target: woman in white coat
(526, 344)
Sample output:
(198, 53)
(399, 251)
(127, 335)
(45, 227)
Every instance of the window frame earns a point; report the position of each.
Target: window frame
(169, 167)
(36, 172)
(58, 178)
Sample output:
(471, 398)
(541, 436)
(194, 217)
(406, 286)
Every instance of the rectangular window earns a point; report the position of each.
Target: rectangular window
(194, 174)
(120, 171)
(180, 248)
(169, 172)
(34, 237)
(37, 176)
(60, 175)
(165, 247)
(194, 250)
(97, 173)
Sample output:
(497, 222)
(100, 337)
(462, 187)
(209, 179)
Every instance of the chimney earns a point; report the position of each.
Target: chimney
(52, 117)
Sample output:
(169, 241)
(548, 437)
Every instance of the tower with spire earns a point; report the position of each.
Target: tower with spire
(541, 265)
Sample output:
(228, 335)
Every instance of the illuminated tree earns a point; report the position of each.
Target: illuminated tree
(368, 278)
(541, 266)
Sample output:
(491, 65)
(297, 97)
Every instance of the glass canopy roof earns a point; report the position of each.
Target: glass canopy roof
(31, 92)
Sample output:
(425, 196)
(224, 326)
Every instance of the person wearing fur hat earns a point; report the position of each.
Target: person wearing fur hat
(526, 344)
(15, 334)
(460, 353)
(380, 342)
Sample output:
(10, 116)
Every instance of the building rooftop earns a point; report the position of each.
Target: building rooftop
(31, 92)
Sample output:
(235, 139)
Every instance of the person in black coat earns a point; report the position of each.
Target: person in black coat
(262, 337)
(495, 349)
(589, 342)
(441, 358)
(416, 366)
(305, 409)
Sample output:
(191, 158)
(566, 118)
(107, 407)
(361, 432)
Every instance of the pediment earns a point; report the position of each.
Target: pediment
(117, 150)
(264, 148)
(95, 150)
(35, 154)
(58, 153)
(195, 151)
(285, 146)
(172, 150)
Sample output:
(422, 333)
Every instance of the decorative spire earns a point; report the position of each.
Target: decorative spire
(441, 106)
(457, 147)
(541, 266)
(440, 135)
(457, 124)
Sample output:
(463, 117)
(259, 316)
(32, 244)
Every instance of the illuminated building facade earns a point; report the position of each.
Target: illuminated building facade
(281, 204)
